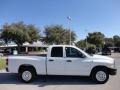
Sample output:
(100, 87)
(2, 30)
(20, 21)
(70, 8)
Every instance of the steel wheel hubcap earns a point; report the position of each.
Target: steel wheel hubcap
(26, 75)
(101, 76)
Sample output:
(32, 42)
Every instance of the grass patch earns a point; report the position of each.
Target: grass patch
(2, 64)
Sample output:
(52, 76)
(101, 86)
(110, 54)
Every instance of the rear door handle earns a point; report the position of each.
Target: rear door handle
(68, 61)
(51, 60)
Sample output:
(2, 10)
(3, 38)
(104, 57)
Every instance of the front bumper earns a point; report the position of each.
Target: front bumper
(112, 71)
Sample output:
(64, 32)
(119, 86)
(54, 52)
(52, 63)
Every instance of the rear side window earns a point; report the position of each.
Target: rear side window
(57, 52)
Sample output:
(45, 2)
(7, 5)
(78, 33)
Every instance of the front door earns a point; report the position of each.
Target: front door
(76, 62)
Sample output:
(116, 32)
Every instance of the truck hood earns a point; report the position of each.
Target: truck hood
(101, 57)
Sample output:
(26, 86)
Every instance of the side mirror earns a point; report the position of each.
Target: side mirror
(82, 56)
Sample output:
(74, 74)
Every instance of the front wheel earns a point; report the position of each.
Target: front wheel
(27, 75)
(100, 76)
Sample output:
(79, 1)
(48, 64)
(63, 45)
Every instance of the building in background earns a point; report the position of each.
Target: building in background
(26, 48)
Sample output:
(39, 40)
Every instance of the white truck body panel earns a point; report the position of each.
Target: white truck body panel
(59, 65)
(37, 61)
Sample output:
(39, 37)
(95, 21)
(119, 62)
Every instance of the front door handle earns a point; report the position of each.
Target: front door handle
(68, 61)
(51, 60)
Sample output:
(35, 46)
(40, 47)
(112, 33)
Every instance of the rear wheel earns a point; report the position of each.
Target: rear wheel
(27, 75)
(100, 75)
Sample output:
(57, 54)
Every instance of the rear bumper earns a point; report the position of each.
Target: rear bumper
(112, 71)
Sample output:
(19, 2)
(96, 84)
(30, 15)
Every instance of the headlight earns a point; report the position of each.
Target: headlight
(113, 65)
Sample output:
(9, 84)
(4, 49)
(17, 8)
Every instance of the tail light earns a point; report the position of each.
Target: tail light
(7, 61)
(7, 64)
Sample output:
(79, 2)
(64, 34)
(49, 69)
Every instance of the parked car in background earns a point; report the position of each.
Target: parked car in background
(91, 50)
(7, 52)
(106, 51)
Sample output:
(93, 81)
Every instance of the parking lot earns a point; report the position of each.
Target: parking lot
(11, 82)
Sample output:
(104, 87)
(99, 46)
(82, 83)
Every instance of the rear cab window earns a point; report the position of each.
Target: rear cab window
(57, 52)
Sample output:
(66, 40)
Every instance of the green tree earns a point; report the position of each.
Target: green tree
(33, 33)
(109, 42)
(56, 34)
(116, 39)
(96, 38)
(82, 44)
(19, 33)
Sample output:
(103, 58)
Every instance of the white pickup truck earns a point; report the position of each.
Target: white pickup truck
(63, 60)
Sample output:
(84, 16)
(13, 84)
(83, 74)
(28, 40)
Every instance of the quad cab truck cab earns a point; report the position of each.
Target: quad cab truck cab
(65, 60)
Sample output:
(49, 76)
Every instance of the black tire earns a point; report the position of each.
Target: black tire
(96, 75)
(29, 73)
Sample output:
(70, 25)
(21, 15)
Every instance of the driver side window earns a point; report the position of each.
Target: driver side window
(72, 52)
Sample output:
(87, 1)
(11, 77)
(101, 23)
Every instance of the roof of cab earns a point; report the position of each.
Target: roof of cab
(60, 45)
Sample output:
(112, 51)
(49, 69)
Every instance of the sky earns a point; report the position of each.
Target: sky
(87, 15)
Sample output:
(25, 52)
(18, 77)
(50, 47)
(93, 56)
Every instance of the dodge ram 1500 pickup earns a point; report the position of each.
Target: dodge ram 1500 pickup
(62, 60)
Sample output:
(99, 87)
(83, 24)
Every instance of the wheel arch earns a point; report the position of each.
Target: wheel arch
(25, 66)
(98, 67)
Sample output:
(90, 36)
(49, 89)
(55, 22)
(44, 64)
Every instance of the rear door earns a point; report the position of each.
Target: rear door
(56, 62)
